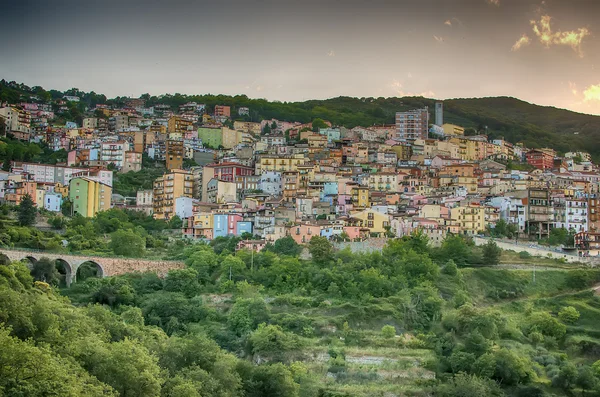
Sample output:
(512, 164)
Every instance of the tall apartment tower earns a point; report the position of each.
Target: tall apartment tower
(439, 113)
(412, 125)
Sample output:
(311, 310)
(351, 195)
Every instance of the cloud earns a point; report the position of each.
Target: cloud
(331, 53)
(523, 41)
(494, 2)
(452, 21)
(399, 91)
(439, 39)
(573, 88)
(592, 93)
(547, 37)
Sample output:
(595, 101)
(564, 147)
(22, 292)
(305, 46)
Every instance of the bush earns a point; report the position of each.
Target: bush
(388, 331)
(568, 315)
(524, 255)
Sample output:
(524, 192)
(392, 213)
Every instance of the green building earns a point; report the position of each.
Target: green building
(211, 136)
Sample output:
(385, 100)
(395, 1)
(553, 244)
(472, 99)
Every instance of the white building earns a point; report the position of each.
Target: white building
(52, 201)
(114, 152)
(271, 183)
(184, 207)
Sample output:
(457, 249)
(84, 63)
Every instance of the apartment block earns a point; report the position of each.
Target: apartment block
(175, 184)
(412, 125)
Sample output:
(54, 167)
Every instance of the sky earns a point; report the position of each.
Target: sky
(544, 52)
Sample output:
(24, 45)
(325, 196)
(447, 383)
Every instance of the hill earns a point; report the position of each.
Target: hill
(510, 118)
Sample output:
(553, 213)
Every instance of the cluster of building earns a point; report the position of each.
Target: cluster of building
(279, 178)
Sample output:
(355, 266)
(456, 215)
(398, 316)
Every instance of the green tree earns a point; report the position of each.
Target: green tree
(28, 370)
(273, 340)
(273, 380)
(175, 222)
(27, 211)
(320, 249)
(317, 124)
(286, 246)
(491, 253)
(388, 331)
(568, 315)
(463, 385)
(127, 243)
(184, 281)
(45, 270)
(455, 248)
(126, 365)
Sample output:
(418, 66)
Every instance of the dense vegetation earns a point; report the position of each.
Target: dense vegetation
(410, 320)
(515, 120)
(110, 233)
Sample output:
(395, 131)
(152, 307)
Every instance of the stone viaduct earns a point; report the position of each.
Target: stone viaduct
(106, 266)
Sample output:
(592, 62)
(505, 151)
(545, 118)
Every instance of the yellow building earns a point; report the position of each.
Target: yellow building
(167, 188)
(39, 197)
(451, 129)
(376, 222)
(280, 164)
(89, 196)
(230, 137)
(402, 151)
(62, 189)
(360, 196)
(468, 149)
(247, 126)
(384, 182)
(470, 219)
(178, 126)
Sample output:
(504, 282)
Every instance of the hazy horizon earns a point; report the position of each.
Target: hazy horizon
(541, 52)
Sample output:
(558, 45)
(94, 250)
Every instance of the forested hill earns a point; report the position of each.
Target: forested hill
(513, 119)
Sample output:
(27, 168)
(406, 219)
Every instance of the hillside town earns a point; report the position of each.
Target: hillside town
(226, 175)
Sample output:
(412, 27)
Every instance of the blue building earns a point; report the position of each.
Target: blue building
(219, 225)
(244, 227)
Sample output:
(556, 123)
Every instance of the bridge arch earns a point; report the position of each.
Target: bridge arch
(65, 270)
(87, 269)
(4, 259)
(29, 261)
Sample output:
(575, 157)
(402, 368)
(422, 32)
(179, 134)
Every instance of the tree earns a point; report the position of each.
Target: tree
(175, 222)
(568, 315)
(184, 281)
(512, 368)
(320, 249)
(463, 385)
(491, 253)
(126, 365)
(586, 378)
(28, 370)
(27, 211)
(455, 248)
(317, 124)
(450, 268)
(566, 377)
(266, 129)
(272, 339)
(127, 243)
(45, 270)
(287, 246)
(388, 331)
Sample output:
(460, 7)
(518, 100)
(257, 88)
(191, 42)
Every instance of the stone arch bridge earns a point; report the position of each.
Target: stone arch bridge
(106, 266)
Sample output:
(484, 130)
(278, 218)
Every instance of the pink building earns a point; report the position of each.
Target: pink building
(255, 245)
(352, 231)
(303, 233)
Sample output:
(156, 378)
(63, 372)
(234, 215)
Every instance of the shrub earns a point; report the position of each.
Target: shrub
(524, 255)
(388, 331)
(568, 315)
